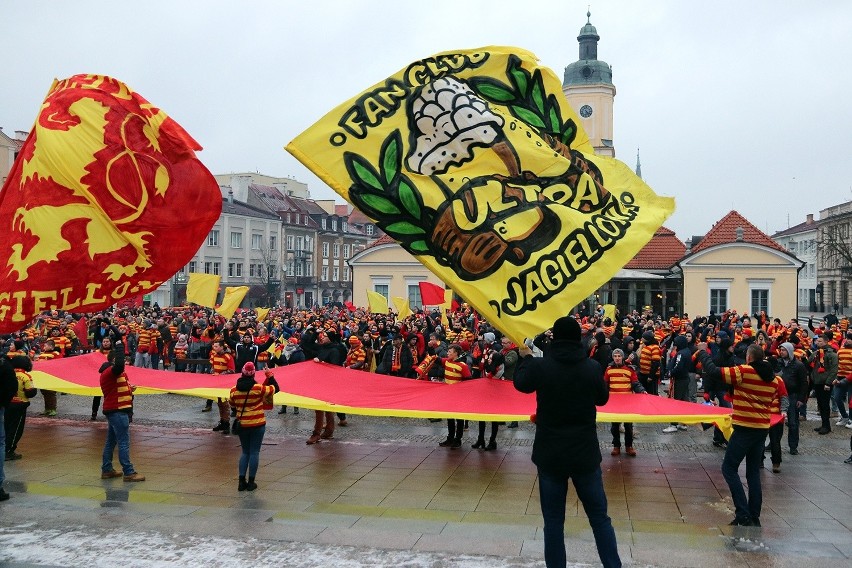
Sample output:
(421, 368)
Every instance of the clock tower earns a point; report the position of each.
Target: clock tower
(590, 92)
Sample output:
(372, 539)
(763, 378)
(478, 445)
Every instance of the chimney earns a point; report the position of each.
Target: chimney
(739, 234)
(230, 196)
(21, 135)
(688, 244)
(810, 219)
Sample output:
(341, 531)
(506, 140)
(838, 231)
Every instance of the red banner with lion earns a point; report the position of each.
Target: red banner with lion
(93, 208)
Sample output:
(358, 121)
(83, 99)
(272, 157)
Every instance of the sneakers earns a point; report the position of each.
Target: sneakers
(849, 424)
(848, 460)
(111, 474)
(207, 408)
(841, 422)
(242, 485)
(682, 427)
(251, 485)
(741, 523)
(631, 452)
(670, 429)
(720, 444)
(295, 410)
(50, 413)
(134, 477)
(794, 452)
(11, 456)
(615, 452)
(223, 427)
(512, 424)
(824, 431)
(282, 411)
(3, 495)
(776, 468)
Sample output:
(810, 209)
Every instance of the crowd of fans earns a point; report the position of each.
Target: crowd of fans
(640, 352)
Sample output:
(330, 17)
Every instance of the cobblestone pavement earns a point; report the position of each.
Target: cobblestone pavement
(383, 494)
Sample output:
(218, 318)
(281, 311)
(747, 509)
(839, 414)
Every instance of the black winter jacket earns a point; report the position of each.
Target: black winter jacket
(568, 387)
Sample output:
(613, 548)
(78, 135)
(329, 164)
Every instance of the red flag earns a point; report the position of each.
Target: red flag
(350, 306)
(94, 207)
(431, 294)
(81, 328)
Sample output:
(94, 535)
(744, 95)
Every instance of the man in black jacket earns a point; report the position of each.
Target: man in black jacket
(568, 387)
(795, 376)
(8, 388)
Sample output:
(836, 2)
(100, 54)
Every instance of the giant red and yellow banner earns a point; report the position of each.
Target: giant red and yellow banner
(321, 386)
(475, 163)
(92, 210)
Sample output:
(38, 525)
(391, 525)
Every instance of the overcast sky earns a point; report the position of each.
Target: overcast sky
(733, 105)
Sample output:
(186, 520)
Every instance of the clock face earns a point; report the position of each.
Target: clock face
(585, 111)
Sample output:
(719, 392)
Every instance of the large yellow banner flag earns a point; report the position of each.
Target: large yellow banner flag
(202, 289)
(377, 302)
(402, 306)
(476, 164)
(231, 301)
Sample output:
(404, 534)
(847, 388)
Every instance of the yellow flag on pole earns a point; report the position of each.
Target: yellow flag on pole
(202, 289)
(402, 306)
(377, 302)
(609, 311)
(233, 298)
(261, 313)
(476, 164)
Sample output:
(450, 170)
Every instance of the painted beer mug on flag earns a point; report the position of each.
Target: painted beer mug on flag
(475, 163)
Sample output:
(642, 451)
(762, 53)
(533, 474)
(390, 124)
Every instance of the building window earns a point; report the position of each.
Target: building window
(231, 269)
(290, 241)
(236, 240)
(347, 249)
(414, 298)
(271, 271)
(300, 243)
(211, 267)
(718, 300)
(343, 226)
(256, 242)
(325, 250)
(381, 289)
(306, 220)
(213, 238)
(288, 217)
(273, 242)
(193, 266)
(322, 223)
(324, 273)
(346, 274)
(759, 301)
(336, 274)
(336, 250)
(291, 268)
(235, 269)
(252, 271)
(370, 229)
(299, 267)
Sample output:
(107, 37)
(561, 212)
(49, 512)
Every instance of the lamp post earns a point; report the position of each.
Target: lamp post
(178, 279)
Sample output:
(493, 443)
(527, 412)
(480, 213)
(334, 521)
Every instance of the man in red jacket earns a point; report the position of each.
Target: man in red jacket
(118, 406)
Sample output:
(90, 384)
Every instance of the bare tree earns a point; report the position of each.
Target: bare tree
(266, 272)
(835, 247)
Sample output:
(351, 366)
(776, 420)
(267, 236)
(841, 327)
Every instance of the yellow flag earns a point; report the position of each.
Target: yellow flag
(233, 298)
(475, 163)
(402, 306)
(447, 307)
(609, 311)
(202, 289)
(378, 303)
(261, 313)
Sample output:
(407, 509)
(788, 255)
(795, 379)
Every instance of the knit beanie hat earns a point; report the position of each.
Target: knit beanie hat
(248, 369)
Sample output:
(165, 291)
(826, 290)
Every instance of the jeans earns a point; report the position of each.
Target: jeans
(793, 422)
(615, 430)
(118, 433)
(142, 360)
(250, 441)
(745, 443)
(840, 395)
(719, 395)
(553, 490)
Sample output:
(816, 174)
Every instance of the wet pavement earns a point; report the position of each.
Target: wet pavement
(382, 493)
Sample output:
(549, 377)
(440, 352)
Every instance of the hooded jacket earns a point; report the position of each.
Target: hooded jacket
(793, 373)
(680, 365)
(568, 388)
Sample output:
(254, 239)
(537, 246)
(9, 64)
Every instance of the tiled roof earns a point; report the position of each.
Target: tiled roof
(662, 252)
(800, 228)
(341, 210)
(383, 240)
(725, 231)
(356, 217)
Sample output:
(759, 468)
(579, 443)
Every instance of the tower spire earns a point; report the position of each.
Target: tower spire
(638, 164)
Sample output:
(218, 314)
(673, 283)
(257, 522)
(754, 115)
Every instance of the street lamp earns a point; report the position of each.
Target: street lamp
(178, 279)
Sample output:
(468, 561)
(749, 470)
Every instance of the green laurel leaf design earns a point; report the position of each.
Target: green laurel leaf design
(494, 92)
(520, 78)
(538, 96)
(419, 246)
(528, 116)
(404, 228)
(365, 172)
(380, 204)
(408, 197)
(555, 122)
(391, 157)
